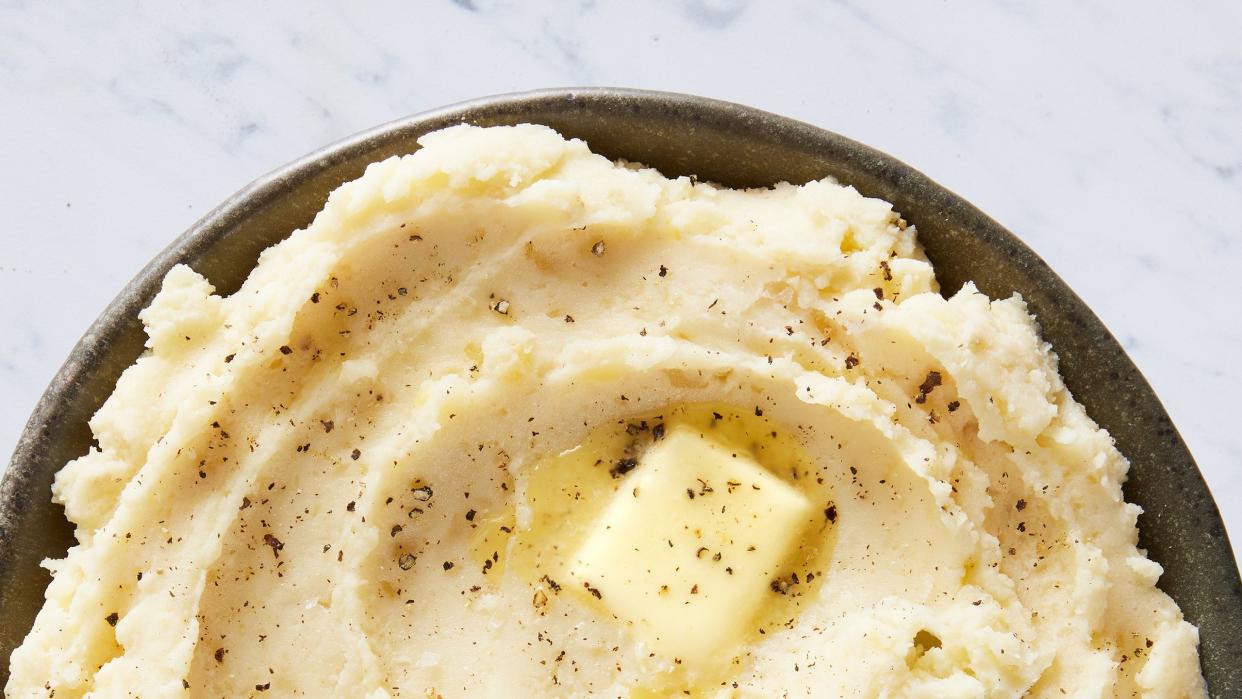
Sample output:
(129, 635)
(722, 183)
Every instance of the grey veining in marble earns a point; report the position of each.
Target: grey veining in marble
(1105, 134)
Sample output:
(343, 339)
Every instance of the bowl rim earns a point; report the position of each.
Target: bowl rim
(16, 486)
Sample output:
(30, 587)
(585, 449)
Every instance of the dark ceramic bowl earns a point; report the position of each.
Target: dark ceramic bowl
(680, 135)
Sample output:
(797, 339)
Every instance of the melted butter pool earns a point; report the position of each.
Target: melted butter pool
(559, 498)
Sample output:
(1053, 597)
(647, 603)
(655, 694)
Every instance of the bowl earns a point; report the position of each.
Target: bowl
(680, 135)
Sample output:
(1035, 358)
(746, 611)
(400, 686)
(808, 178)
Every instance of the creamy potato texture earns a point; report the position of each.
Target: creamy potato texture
(509, 419)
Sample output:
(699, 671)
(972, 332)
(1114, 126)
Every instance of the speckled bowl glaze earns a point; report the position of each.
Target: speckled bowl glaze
(680, 135)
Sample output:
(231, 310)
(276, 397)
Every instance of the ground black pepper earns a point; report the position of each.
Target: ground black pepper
(622, 467)
(929, 384)
(275, 543)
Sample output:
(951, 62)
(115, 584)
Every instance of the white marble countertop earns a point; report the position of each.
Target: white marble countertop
(1105, 134)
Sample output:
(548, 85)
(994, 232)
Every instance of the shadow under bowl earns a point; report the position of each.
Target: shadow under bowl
(679, 135)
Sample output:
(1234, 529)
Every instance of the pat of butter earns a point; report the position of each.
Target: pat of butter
(687, 549)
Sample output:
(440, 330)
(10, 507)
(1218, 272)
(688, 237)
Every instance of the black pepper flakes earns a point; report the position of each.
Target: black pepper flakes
(286, 349)
(781, 586)
(470, 515)
(1020, 505)
(851, 361)
(328, 425)
(593, 590)
(598, 248)
(263, 687)
(634, 428)
(657, 432)
(112, 618)
(830, 513)
(448, 565)
(623, 467)
(663, 271)
(929, 384)
(953, 405)
(275, 543)
(219, 654)
(355, 454)
(406, 561)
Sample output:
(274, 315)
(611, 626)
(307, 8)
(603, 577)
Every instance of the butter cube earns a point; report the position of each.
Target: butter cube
(687, 549)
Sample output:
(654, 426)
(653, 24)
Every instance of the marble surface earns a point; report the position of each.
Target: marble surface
(1105, 134)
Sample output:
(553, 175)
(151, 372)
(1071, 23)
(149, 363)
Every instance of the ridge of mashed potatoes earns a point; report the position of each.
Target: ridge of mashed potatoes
(283, 497)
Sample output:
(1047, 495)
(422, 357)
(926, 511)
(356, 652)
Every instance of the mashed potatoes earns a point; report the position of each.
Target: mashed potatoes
(509, 419)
